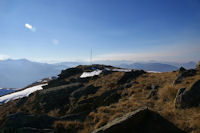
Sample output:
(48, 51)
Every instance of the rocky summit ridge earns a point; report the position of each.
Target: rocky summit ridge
(108, 100)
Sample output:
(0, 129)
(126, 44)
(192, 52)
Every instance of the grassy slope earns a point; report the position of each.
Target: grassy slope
(133, 95)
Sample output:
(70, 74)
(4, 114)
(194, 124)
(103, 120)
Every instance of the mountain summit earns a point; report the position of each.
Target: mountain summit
(101, 98)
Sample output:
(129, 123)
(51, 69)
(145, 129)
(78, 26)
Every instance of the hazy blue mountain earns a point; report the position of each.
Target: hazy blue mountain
(19, 73)
(113, 62)
(187, 65)
(4, 91)
(64, 65)
(150, 67)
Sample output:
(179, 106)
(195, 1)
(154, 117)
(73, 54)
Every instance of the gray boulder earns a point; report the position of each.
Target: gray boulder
(179, 97)
(142, 120)
(188, 98)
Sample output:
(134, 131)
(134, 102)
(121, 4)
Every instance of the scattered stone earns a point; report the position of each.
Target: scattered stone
(128, 85)
(149, 87)
(154, 91)
(153, 94)
(155, 86)
(152, 87)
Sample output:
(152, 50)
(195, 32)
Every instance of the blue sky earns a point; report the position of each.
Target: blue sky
(66, 30)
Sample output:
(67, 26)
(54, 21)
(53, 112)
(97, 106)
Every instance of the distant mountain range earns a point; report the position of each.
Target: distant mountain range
(160, 67)
(22, 72)
(4, 91)
(150, 67)
(187, 65)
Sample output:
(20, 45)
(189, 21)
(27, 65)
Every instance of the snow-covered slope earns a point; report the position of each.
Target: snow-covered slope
(90, 74)
(20, 94)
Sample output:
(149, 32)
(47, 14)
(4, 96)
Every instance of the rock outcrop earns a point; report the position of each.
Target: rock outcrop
(183, 73)
(188, 98)
(198, 66)
(70, 103)
(128, 76)
(142, 120)
(153, 91)
(26, 123)
(179, 97)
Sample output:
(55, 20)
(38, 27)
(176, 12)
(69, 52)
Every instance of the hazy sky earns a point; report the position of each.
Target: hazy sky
(66, 30)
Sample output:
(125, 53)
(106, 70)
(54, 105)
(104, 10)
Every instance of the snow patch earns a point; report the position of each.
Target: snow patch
(20, 94)
(90, 74)
(122, 70)
(153, 72)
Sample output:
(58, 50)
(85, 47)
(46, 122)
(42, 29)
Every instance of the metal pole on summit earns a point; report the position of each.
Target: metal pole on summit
(91, 57)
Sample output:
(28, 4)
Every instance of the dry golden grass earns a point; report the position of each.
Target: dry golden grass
(54, 113)
(168, 92)
(99, 119)
(135, 97)
(101, 123)
(86, 129)
(67, 126)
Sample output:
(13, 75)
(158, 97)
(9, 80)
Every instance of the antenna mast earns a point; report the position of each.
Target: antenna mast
(91, 57)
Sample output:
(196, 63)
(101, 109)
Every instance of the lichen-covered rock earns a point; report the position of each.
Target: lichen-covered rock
(142, 120)
(188, 98)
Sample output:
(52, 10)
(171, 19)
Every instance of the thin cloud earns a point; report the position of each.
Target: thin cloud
(134, 56)
(30, 27)
(3, 57)
(173, 53)
(55, 41)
